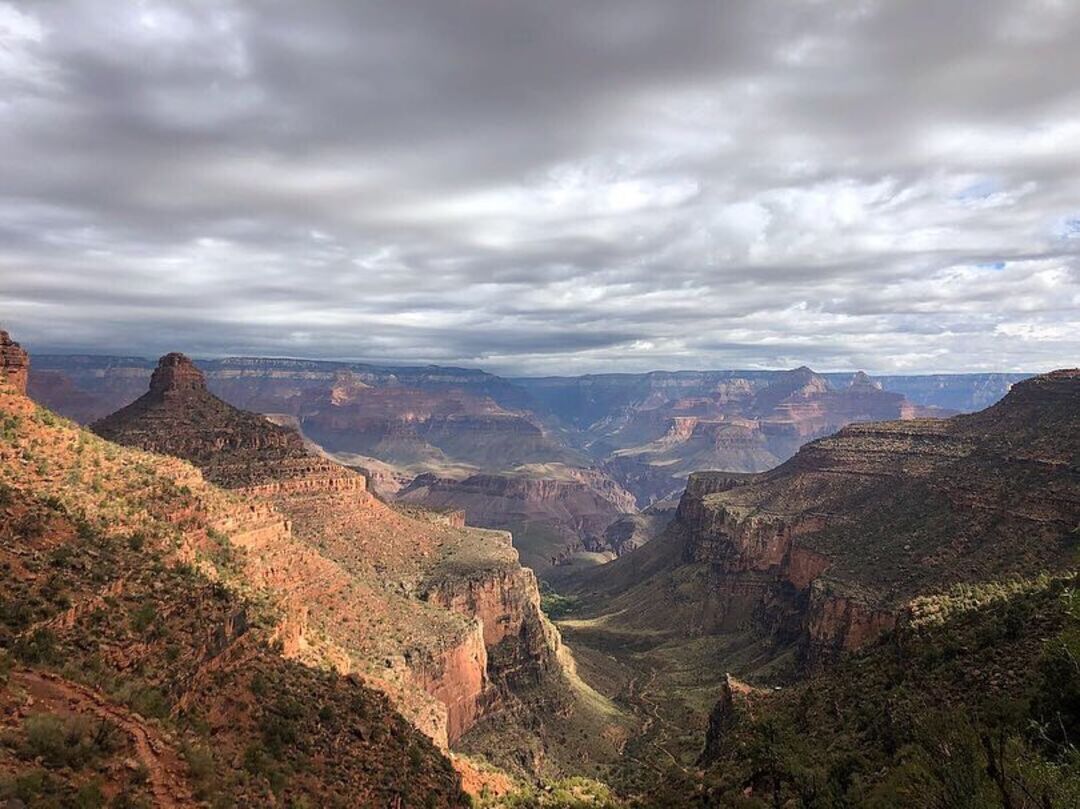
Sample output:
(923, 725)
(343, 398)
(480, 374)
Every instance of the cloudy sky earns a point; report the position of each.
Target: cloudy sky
(546, 187)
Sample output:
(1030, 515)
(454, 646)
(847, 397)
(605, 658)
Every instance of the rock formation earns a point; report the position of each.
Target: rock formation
(149, 598)
(828, 548)
(745, 425)
(552, 512)
(631, 531)
(14, 364)
(412, 605)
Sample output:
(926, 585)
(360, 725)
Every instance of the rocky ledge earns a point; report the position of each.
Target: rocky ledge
(414, 606)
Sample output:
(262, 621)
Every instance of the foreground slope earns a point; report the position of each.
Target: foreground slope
(141, 665)
(972, 701)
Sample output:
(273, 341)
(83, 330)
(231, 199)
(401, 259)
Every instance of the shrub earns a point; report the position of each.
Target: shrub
(38, 647)
(143, 617)
(66, 741)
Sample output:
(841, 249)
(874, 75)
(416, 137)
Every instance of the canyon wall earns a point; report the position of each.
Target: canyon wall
(411, 605)
(828, 549)
(550, 516)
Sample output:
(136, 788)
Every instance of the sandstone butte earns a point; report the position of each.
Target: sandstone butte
(829, 550)
(159, 621)
(440, 617)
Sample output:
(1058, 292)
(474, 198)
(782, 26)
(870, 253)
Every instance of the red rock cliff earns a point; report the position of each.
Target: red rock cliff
(14, 363)
(829, 547)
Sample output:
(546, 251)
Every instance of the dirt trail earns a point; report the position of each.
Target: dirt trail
(167, 773)
(654, 727)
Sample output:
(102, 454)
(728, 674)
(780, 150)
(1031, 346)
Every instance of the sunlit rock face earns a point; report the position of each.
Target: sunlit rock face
(413, 603)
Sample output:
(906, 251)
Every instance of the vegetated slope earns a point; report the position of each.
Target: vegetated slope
(972, 701)
(441, 617)
(141, 665)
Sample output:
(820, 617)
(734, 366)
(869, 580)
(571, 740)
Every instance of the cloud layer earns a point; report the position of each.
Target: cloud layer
(557, 187)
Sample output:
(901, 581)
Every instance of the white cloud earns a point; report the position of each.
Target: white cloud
(559, 187)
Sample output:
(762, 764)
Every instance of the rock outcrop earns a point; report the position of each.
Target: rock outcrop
(189, 601)
(749, 427)
(631, 531)
(14, 364)
(826, 553)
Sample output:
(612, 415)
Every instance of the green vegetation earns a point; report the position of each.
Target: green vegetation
(66, 741)
(980, 710)
(569, 793)
(554, 605)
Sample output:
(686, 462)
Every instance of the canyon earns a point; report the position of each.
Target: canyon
(825, 550)
(428, 605)
(497, 448)
(681, 630)
(144, 622)
(552, 512)
(776, 578)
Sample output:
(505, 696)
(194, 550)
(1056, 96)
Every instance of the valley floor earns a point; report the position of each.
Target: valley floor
(668, 684)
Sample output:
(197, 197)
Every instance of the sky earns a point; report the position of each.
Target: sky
(546, 187)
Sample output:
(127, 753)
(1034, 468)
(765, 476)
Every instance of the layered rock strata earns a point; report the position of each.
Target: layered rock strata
(411, 605)
(831, 546)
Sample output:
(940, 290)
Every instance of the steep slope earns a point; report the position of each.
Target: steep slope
(142, 663)
(776, 576)
(399, 576)
(859, 523)
(440, 617)
(971, 701)
(828, 548)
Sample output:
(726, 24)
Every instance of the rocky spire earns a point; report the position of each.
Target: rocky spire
(14, 363)
(176, 374)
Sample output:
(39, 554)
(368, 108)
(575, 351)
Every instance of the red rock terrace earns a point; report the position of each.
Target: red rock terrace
(440, 617)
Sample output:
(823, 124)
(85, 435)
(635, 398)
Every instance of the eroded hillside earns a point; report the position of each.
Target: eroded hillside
(441, 617)
(141, 663)
(861, 538)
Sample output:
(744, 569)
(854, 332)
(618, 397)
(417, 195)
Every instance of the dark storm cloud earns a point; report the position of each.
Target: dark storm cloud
(546, 187)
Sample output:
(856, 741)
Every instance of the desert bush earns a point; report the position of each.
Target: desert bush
(72, 741)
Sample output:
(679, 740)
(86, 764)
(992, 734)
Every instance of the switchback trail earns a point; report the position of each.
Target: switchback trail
(166, 771)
